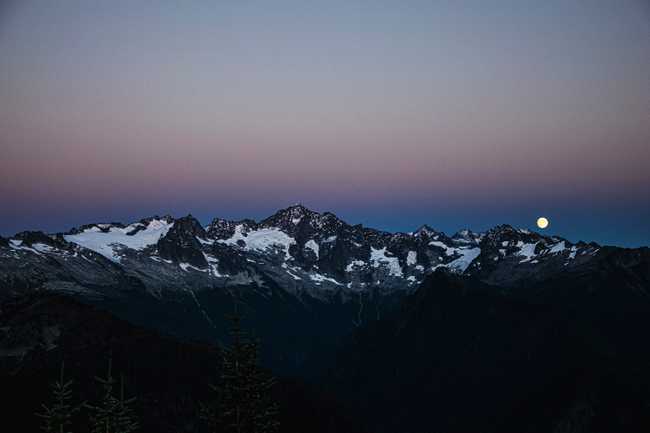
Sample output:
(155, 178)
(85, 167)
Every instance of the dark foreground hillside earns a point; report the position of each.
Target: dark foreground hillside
(568, 355)
(168, 377)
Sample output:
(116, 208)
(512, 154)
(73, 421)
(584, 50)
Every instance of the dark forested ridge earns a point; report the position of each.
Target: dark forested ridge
(460, 355)
(168, 377)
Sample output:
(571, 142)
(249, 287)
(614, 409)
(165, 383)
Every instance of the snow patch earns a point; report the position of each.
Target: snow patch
(43, 248)
(319, 278)
(353, 264)
(213, 264)
(312, 245)
(412, 258)
(558, 248)
(110, 242)
(261, 240)
(572, 254)
(379, 257)
(187, 266)
(205, 241)
(294, 276)
(527, 251)
(17, 244)
(467, 256)
(448, 250)
(160, 260)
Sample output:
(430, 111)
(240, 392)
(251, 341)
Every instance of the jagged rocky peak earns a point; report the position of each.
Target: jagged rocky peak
(221, 228)
(501, 230)
(39, 240)
(330, 223)
(35, 237)
(503, 233)
(298, 217)
(181, 243)
(426, 230)
(374, 237)
(290, 217)
(511, 254)
(466, 236)
(165, 218)
(98, 227)
(506, 236)
(152, 222)
(591, 244)
(188, 225)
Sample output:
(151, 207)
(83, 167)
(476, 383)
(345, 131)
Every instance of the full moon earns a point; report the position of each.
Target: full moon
(542, 222)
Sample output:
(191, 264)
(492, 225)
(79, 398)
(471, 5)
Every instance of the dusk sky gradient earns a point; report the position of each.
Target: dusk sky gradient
(388, 113)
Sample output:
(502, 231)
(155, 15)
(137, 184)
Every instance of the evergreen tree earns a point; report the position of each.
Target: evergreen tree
(578, 420)
(58, 416)
(125, 419)
(112, 414)
(244, 401)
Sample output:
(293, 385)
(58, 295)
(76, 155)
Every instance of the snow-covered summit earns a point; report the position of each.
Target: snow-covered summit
(109, 239)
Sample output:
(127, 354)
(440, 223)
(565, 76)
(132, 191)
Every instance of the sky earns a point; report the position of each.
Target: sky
(388, 113)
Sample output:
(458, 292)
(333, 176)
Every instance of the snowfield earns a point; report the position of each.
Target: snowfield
(110, 242)
(467, 256)
(379, 257)
(261, 240)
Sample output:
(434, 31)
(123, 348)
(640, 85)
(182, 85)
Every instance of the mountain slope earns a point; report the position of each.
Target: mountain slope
(460, 355)
(168, 377)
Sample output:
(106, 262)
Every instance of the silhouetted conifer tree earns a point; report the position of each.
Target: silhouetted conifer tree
(578, 420)
(112, 414)
(244, 403)
(58, 416)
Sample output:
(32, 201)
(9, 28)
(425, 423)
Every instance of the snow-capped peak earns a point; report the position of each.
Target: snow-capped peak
(297, 247)
(109, 239)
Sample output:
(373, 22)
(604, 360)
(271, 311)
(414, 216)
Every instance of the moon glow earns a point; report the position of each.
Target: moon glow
(542, 222)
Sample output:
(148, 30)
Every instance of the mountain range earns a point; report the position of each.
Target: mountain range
(307, 253)
(308, 278)
(508, 330)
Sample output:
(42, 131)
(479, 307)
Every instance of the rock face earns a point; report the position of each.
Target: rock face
(182, 243)
(309, 273)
